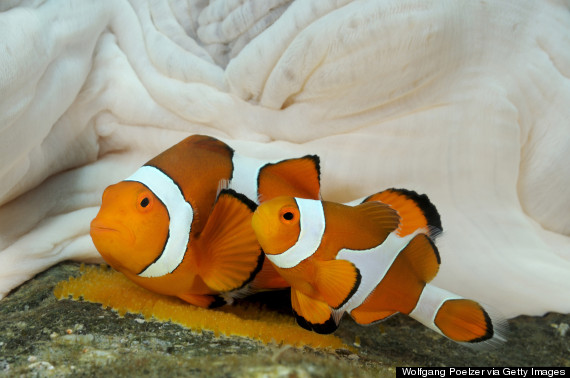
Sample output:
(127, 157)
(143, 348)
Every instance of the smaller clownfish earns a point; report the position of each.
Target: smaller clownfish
(372, 260)
(181, 224)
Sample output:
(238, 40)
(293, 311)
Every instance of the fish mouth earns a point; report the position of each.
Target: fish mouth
(98, 226)
(102, 228)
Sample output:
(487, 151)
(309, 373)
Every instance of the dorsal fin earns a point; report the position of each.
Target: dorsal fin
(299, 177)
(191, 150)
(415, 210)
(207, 143)
(197, 164)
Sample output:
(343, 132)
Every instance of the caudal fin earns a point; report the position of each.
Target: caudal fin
(462, 320)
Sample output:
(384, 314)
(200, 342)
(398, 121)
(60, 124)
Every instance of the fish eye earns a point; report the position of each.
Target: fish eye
(144, 201)
(289, 215)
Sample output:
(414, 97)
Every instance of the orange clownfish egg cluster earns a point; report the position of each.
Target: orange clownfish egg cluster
(113, 290)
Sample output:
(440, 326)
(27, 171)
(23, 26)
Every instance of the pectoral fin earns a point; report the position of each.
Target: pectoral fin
(312, 314)
(230, 255)
(337, 281)
(371, 221)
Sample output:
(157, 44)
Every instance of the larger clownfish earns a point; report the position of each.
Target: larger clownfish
(371, 260)
(181, 224)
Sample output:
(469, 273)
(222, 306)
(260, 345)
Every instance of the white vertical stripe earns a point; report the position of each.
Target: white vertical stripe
(180, 213)
(245, 175)
(312, 230)
(373, 265)
(429, 303)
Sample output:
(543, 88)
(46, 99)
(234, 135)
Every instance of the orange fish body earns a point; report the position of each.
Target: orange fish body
(371, 260)
(181, 224)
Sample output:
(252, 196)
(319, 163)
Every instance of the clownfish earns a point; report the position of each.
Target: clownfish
(181, 224)
(371, 260)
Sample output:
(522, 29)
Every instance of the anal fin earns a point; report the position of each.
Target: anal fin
(337, 281)
(312, 314)
(230, 255)
(368, 317)
(422, 257)
(298, 177)
(403, 283)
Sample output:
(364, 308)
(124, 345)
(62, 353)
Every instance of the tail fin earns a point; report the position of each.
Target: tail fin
(415, 210)
(459, 319)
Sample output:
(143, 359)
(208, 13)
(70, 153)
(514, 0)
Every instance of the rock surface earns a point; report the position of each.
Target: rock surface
(42, 336)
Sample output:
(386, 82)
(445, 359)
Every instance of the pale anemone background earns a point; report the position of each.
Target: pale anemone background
(467, 101)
